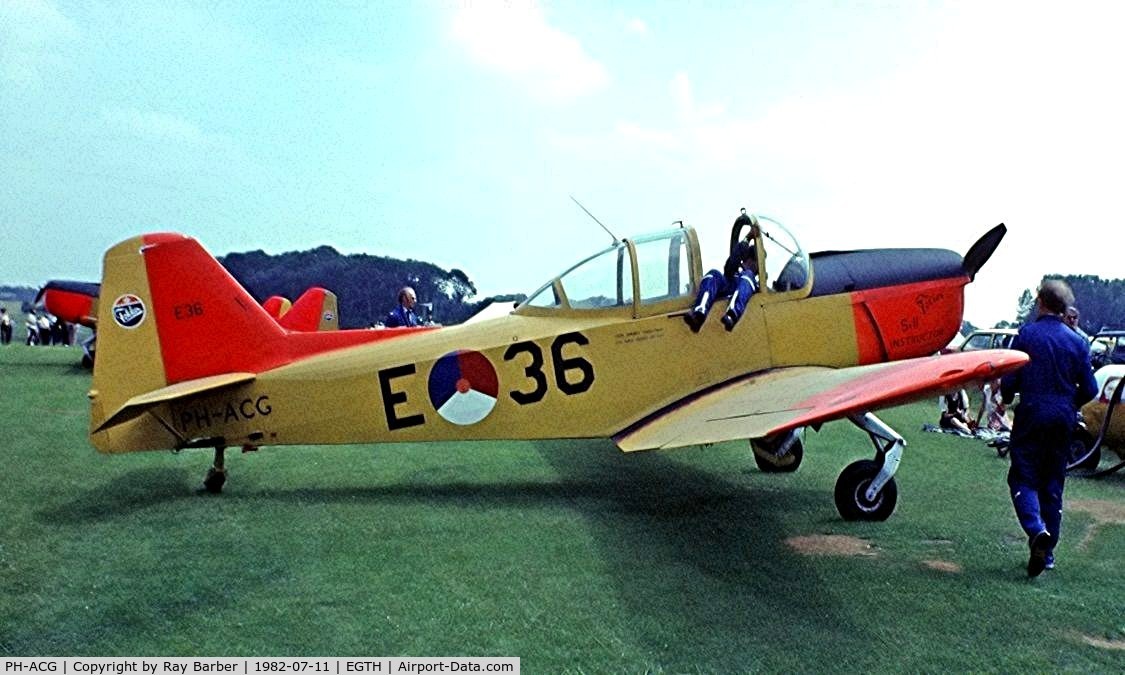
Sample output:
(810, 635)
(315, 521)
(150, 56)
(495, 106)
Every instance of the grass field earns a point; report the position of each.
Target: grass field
(570, 555)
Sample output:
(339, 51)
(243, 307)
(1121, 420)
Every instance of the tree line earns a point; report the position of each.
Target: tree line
(17, 298)
(366, 286)
(1100, 302)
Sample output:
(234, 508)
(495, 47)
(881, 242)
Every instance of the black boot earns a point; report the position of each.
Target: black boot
(694, 320)
(729, 319)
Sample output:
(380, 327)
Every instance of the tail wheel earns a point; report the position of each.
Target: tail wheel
(217, 474)
(765, 455)
(214, 481)
(1083, 454)
(851, 488)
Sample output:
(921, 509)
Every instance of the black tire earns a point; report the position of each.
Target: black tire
(850, 489)
(1083, 454)
(765, 455)
(214, 481)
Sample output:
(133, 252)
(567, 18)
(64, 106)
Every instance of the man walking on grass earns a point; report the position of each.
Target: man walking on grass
(1052, 387)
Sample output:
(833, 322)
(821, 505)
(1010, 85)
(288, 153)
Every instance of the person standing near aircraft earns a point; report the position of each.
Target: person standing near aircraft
(403, 315)
(739, 280)
(5, 326)
(1052, 387)
(44, 330)
(1071, 319)
(31, 324)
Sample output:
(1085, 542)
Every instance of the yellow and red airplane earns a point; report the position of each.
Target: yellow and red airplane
(189, 360)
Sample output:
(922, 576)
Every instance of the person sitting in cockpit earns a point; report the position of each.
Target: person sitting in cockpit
(739, 280)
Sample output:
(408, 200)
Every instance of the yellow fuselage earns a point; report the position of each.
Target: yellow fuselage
(578, 375)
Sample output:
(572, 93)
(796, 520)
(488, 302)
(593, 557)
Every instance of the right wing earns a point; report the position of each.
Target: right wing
(774, 401)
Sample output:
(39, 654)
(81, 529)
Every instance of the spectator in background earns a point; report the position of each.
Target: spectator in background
(403, 315)
(59, 333)
(955, 412)
(44, 330)
(31, 324)
(993, 414)
(5, 326)
(1071, 319)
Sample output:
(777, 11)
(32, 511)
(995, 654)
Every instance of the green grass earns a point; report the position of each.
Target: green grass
(570, 555)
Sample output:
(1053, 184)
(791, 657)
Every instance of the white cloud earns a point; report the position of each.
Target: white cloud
(29, 31)
(515, 39)
(636, 26)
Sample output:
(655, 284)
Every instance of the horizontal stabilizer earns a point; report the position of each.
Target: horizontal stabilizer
(142, 402)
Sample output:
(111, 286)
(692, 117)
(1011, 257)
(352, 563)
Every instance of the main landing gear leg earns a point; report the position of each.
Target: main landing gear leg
(866, 489)
(217, 474)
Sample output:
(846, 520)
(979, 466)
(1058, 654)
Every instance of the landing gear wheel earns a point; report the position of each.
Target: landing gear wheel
(765, 455)
(851, 487)
(1083, 454)
(214, 481)
(217, 474)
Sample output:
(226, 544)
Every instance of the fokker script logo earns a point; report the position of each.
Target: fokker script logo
(927, 300)
(128, 311)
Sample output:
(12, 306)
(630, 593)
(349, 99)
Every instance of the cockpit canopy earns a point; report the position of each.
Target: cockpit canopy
(658, 273)
(787, 264)
(640, 274)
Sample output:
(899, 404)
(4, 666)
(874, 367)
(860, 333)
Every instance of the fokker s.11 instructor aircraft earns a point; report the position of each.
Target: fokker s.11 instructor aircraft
(188, 359)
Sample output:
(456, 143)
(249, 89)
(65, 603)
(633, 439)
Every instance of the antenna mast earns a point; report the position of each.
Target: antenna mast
(615, 239)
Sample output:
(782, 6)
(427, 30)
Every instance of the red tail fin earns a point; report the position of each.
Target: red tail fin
(276, 306)
(315, 310)
(206, 322)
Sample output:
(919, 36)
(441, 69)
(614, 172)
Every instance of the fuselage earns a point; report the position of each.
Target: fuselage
(527, 376)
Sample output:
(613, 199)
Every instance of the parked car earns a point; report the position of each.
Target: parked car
(1102, 424)
(988, 338)
(1107, 348)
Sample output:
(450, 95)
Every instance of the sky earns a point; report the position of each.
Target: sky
(457, 132)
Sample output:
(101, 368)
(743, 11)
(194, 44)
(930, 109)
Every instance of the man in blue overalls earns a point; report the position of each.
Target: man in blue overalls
(1052, 387)
(739, 279)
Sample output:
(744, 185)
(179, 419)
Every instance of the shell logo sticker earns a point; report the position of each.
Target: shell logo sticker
(128, 311)
(463, 387)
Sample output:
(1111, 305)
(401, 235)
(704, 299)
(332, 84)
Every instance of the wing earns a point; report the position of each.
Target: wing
(773, 401)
